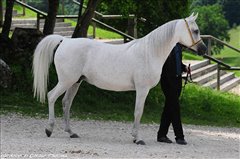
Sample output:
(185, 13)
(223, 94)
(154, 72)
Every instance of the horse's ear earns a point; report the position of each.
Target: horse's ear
(191, 15)
(195, 17)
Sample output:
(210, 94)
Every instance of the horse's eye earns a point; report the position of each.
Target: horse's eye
(196, 31)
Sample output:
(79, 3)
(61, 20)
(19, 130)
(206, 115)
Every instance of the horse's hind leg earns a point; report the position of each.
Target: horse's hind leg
(67, 102)
(58, 90)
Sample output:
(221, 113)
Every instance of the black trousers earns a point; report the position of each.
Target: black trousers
(172, 87)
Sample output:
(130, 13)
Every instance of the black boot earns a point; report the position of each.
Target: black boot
(164, 139)
(181, 141)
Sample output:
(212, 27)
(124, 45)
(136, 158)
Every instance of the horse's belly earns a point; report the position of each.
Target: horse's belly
(111, 83)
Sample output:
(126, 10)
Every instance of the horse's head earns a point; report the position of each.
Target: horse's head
(189, 35)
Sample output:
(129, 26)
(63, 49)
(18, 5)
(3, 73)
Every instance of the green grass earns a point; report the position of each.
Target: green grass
(235, 42)
(100, 33)
(228, 55)
(28, 12)
(191, 56)
(199, 106)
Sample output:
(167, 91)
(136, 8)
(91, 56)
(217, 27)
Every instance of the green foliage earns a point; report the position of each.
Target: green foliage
(39, 4)
(117, 7)
(70, 8)
(211, 21)
(230, 8)
(159, 12)
(156, 12)
(205, 2)
(123, 7)
(206, 105)
(232, 11)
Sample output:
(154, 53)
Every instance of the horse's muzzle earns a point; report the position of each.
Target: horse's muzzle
(201, 49)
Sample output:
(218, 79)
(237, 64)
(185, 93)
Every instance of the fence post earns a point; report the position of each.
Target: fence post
(135, 26)
(218, 77)
(38, 21)
(94, 28)
(209, 47)
(132, 27)
(24, 12)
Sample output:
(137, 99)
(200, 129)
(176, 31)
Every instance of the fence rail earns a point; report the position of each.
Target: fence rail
(210, 37)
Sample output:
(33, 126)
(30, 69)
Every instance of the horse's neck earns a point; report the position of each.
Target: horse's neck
(161, 41)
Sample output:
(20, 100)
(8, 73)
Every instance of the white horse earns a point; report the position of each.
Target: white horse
(136, 65)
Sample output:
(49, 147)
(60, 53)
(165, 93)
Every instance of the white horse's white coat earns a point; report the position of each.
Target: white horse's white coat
(136, 65)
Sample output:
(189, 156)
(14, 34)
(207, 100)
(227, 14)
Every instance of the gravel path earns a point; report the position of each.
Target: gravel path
(24, 137)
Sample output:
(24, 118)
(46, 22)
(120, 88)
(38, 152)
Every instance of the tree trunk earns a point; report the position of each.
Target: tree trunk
(51, 17)
(84, 20)
(1, 13)
(8, 18)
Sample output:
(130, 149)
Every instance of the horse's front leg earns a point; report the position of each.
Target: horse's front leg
(141, 95)
(67, 103)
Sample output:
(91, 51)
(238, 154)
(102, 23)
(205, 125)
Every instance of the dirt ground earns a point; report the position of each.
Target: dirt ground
(24, 137)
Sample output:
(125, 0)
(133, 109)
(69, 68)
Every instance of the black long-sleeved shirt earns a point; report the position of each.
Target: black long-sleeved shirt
(170, 66)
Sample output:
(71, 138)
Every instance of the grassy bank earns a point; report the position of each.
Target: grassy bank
(228, 55)
(200, 106)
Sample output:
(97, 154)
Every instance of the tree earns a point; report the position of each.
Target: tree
(156, 12)
(51, 17)
(196, 3)
(8, 18)
(231, 10)
(85, 19)
(211, 21)
(118, 7)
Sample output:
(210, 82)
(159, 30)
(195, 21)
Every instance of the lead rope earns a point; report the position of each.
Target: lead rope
(187, 79)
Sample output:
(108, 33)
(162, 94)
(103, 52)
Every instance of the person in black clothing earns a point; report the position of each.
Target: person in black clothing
(171, 83)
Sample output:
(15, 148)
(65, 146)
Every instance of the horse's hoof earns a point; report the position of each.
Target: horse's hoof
(140, 142)
(74, 136)
(49, 133)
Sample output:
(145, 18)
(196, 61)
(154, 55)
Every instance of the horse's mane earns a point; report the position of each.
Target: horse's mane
(158, 39)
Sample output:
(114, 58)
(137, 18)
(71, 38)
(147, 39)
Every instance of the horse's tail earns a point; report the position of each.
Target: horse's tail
(43, 57)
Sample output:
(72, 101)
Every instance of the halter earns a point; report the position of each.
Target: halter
(193, 42)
